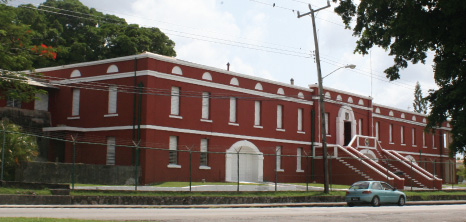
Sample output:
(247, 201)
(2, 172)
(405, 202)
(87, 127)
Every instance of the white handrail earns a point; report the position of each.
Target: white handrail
(418, 167)
(373, 162)
(362, 161)
(402, 162)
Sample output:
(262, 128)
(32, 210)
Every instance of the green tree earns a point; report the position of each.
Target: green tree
(83, 34)
(409, 29)
(419, 103)
(18, 148)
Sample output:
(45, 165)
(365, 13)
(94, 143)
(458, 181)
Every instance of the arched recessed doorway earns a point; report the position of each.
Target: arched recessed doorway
(346, 125)
(411, 159)
(369, 154)
(251, 162)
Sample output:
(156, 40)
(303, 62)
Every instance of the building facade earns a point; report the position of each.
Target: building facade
(178, 119)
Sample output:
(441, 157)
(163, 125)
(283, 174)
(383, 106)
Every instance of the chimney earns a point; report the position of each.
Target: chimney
(228, 66)
(292, 81)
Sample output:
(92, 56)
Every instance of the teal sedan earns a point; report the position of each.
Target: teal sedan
(375, 193)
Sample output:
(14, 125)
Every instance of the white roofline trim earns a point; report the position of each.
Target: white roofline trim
(341, 91)
(174, 61)
(172, 129)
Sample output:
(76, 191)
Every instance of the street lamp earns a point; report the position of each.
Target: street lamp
(350, 66)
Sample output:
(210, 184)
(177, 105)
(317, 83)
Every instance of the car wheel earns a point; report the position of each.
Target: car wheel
(375, 201)
(350, 204)
(401, 201)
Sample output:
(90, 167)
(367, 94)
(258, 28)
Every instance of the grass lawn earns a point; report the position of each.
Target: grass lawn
(205, 194)
(186, 184)
(335, 186)
(4, 190)
(454, 185)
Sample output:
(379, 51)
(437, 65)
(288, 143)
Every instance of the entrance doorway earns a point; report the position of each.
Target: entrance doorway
(250, 163)
(347, 131)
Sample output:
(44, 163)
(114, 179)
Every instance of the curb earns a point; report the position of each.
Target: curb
(328, 204)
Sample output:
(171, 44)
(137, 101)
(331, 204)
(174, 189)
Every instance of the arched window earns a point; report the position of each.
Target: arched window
(377, 110)
(75, 73)
(112, 69)
(339, 98)
(258, 87)
(327, 95)
(177, 70)
(350, 100)
(280, 91)
(361, 102)
(301, 95)
(391, 113)
(234, 81)
(207, 76)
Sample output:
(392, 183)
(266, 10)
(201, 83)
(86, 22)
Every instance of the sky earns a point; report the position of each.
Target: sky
(270, 42)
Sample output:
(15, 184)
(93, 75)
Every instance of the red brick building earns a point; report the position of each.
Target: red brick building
(173, 106)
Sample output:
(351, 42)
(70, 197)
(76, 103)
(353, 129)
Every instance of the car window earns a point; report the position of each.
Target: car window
(360, 185)
(376, 186)
(386, 186)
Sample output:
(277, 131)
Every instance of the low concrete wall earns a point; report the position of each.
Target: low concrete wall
(47, 172)
(146, 200)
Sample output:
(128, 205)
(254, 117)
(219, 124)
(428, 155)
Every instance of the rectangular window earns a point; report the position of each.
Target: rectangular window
(360, 126)
(300, 120)
(413, 136)
(278, 159)
(326, 123)
(175, 101)
(299, 155)
(402, 134)
(204, 153)
(232, 110)
(110, 150)
(279, 117)
(423, 139)
(257, 113)
(205, 105)
(173, 147)
(42, 103)
(75, 102)
(390, 133)
(433, 141)
(112, 99)
(13, 103)
(377, 131)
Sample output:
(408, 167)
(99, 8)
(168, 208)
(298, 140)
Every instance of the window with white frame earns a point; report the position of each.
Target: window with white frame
(433, 141)
(299, 155)
(377, 130)
(402, 134)
(326, 123)
(360, 126)
(278, 159)
(232, 110)
(112, 99)
(279, 117)
(413, 137)
(300, 120)
(390, 133)
(75, 102)
(175, 101)
(205, 105)
(257, 113)
(204, 152)
(111, 150)
(423, 139)
(173, 151)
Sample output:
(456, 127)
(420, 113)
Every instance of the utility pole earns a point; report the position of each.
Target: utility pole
(321, 93)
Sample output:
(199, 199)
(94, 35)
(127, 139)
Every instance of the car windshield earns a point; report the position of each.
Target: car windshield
(360, 185)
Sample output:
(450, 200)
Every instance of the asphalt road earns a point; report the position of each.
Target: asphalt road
(384, 213)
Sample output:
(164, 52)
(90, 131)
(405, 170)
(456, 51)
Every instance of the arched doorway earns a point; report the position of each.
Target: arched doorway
(346, 125)
(411, 159)
(251, 162)
(369, 154)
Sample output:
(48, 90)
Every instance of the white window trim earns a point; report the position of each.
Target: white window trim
(257, 114)
(299, 159)
(279, 117)
(300, 120)
(205, 105)
(175, 101)
(111, 115)
(111, 147)
(278, 159)
(112, 99)
(75, 102)
(233, 107)
(206, 120)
